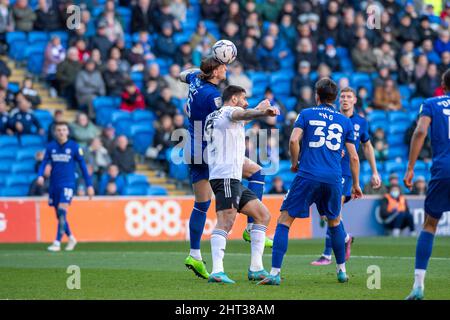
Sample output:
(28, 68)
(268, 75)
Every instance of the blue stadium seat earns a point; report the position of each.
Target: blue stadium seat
(289, 102)
(27, 153)
(17, 49)
(120, 115)
(135, 191)
(398, 117)
(63, 35)
(8, 141)
(14, 87)
(8, 153)
(395, 139)
(416, 103)
(142, 139)
(178, 171)
(398, 128)
(35, 62)
(123, 127)
(15, 36)
(28, 140)
(15, 191)
(180, 38)
(374, 125)
(19, 180)
(156, 191)
(285, 165)
(137, 76)
(106, 102)
(394, 166)
(23, 167)
(280, 84)
(43, 115)
(143, 116)
(37, 36)
(399, 151)
(405, 91)
(376, 115)
(134, 179)
(420, 165)
(365, 166)
(33, 49)
(342, 53)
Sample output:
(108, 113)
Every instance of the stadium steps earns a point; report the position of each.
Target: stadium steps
(154, 180)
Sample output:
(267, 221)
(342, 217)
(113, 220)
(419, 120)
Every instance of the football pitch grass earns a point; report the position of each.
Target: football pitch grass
(157, 271)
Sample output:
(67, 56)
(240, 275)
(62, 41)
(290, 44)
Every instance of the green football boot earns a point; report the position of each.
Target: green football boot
(197, 266)
(246, 236)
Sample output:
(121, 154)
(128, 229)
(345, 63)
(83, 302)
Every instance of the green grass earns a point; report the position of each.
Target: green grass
(156, 271)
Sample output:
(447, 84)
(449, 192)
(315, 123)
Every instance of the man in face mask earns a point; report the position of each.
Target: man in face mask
(395, 212)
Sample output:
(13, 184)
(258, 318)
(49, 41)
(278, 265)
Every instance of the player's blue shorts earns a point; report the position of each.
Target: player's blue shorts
(198, 172)
(347, 183)
(437, 200)
(57, 195)
(304, 192)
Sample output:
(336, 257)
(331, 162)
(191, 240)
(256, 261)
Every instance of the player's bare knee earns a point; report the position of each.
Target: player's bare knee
(225, 219)
(430, 224)
(334, 222)
(285, 219)
(249, 168)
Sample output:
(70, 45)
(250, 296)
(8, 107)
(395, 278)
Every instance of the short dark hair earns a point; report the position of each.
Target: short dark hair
(207, 67)
(446, 80)
(231, 91)
(61, 123)
(327, 90)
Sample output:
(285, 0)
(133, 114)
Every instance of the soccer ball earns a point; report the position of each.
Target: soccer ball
(224, 51)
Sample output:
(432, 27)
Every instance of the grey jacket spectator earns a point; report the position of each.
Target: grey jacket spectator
(23, 15)
(89, 84)
(123, 156)
(363, 57)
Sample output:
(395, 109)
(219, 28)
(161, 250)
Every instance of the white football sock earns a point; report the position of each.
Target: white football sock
(340, 267)
(419, 278)
(258, 237)
(396, 232)
(196, 254)
(347, 237)
(218, 245)
(275, 271)
(249, 226)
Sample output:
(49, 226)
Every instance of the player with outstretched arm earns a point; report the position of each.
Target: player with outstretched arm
(347, 101)
(225, 136)
(62, 154)
(322, 132)
(434, 114)
(205, 98)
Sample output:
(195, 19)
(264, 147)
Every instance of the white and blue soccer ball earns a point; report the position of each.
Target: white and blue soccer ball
(224, 51)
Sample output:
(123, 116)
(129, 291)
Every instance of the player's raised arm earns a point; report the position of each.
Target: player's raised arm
(418, 138)
(86, 176)
(262, 110)
(185, 73)
(354, 167)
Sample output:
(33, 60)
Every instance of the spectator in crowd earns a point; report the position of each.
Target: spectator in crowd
(47, 17)
(164, 105)
(383, 75)
(79, 33)
(89, 85)
(329, 55)
(98, 156)
(302, 78)
(425, 30)
(406, 73)
(82, 130)
(165, 46)
(232, 14)
(247, 54)
(23, 16)
(363, 57)
(58, 116)
(142, 16)
(426, 152)
(178, 121)
(179, 89)
(268, 55)
(183, 58)
(395, 213)
(108, 138)
(100, 41)
(387, 97)
(305, 52)
(123, 156)
(31, 94)
(22, 119)
(6, 23)
(111, 189)
(5, 92)
(380, 144)
(369, 190)
(113, 78)
(211, 9)
(407, 31)
(113, 28)
(421, 66)
(54, 55)
(37, 190)
(136, 57)
(151, 94)
(323, 71)
(385, 57)
(270, 9)
(66, 75)
(164, 16)
(4, 119)
(442, 44)
(362, 104)
(427, 85)
(237, 77)
(123, 65)
(274, 101)
(277, 186)
(286, 132)
(445, 62)
(419, 186)
(144, 41)
(97, 58)
(287, 30)
(83, 53)
(132, 98)
(201, 33)
(162, 140)
(306, 99)
(153, 72)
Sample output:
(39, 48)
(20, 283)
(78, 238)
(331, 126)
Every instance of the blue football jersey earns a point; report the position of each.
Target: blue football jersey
(63, 159)
(438, 109)
(204, 98)
(361, 132)
(325, 132)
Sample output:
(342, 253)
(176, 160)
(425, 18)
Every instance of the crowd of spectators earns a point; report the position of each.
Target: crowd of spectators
(411, 48)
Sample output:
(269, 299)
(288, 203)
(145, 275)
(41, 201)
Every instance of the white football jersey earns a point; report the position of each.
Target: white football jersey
(226, 144)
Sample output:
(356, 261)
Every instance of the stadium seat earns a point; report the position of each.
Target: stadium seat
(37, 36)
(395, 139)
(35, 62)
(376, 115)
(156, 191)
(8, 141)
(63, 35)
(23, 167)
(395, 152)
(394, 166)
(405, 92)
(416, 103)
(106, 102)
(289, 102)
(143, 116)
(395, 117)
(142, 139)
(14, 87)
(135, 191)
(24, 154)
(285, 165)
(15, 36)
(19, 180)
(280, 84)
(17, 49)
(15, 191)
(134, 179)
(398, 128)
(119, 116)
(29, 140)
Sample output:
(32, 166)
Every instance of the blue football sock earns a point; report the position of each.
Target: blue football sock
(256, 185)
(338, 242)
(328, 247)
(197, 223)
(424, 249)
(61, 213)
(280, 245)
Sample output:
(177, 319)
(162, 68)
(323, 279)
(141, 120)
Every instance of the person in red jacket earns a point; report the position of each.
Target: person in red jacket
(132, 98)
